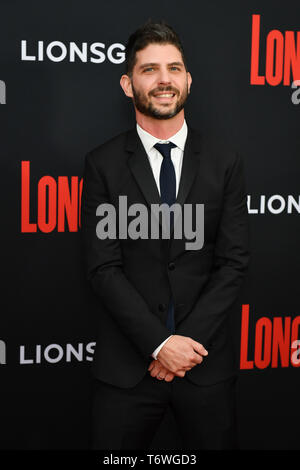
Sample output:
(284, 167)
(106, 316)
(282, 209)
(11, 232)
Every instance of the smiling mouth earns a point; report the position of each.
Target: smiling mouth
(164, 96)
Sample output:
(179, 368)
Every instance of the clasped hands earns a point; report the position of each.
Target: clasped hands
(178, 354)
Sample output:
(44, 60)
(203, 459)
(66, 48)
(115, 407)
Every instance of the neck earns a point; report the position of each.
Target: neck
(160, 128)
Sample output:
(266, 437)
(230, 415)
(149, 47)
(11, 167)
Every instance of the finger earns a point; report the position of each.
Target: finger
(193, 361)
(160, 376)
(169, 377)
(180, 373)
(199, 348)
(152, 367)
(162, 373)
(154, 372)
(197, 359)
(157, 370)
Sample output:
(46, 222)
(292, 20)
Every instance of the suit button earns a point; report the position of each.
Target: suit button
(162, 307)
(171, 266)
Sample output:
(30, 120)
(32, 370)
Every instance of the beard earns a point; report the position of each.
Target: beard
(144, 105)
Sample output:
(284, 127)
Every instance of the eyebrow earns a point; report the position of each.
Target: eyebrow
(155, 63)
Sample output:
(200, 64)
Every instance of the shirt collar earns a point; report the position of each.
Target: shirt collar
(149, 140)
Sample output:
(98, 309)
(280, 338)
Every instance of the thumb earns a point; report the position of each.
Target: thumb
(200, 348)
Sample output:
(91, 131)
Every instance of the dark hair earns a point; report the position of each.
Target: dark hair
(149, 33)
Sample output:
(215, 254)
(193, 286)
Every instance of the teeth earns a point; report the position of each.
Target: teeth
(166, 95)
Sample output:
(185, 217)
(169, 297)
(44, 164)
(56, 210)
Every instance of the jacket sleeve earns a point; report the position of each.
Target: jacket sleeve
(104, 270)
(231, 259)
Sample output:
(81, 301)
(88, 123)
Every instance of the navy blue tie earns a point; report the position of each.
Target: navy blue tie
(167, 183)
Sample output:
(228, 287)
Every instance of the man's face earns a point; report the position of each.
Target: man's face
(160, 83)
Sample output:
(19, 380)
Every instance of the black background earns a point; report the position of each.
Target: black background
(55, 113)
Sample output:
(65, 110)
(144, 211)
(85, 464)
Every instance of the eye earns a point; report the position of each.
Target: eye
(148, 68)
(175, 67)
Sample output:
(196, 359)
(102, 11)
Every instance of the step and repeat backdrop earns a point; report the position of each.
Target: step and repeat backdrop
(60, 67)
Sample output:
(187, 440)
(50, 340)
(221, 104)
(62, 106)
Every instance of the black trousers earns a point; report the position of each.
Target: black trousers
(129, 418)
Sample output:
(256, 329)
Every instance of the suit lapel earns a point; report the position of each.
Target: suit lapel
(190, 166)
(141, 169)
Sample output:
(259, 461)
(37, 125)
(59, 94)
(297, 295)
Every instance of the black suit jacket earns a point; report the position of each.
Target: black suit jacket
(134, 279)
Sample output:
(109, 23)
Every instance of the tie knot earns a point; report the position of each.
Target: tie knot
(165, 149)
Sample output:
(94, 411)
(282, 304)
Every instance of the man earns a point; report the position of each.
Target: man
(163, 310)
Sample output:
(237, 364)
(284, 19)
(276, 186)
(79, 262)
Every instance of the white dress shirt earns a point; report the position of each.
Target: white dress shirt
(155, 159)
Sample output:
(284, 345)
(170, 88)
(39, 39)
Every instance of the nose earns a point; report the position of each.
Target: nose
(164, 77)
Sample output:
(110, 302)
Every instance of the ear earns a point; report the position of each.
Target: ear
(125, 83)
(189, 80)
